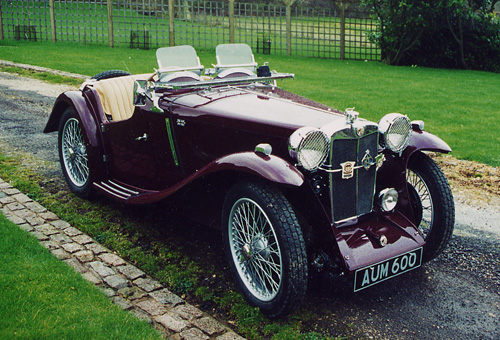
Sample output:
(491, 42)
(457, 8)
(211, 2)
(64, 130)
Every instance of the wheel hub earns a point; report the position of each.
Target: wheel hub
(258, 245)
(247, 252)
(71, 154)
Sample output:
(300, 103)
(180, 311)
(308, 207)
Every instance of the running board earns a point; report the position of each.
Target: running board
(119, 191)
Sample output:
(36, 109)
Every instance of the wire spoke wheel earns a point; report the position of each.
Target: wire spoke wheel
(74, 153)
(421, 202)
(255, 249)
(264, 245)
(431, 202)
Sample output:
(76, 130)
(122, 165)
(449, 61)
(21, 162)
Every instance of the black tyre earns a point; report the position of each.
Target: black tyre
(265, 248)
(73, 154)
(432, 203)
(110, 74)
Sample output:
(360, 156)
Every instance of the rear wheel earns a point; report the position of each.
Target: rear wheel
(432, 203)
(73, 154)
(265, 248)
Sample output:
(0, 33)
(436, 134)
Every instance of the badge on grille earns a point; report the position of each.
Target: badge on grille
(367, 160)
(347, 169)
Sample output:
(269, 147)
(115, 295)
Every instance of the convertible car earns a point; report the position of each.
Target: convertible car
(296, 187)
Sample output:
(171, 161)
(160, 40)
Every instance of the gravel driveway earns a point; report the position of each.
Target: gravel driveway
(456, 296)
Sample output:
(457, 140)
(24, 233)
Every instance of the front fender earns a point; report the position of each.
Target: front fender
(77, 101)
(272, 168)
(423, 140)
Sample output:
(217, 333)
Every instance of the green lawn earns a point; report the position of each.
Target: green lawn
(459, 106)
(43, 298)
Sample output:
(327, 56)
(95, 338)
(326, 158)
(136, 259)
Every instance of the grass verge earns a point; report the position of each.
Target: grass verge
(459, 106)
(43, 298)
(44, 76)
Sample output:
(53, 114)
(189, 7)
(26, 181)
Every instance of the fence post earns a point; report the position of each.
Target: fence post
(110, 23)
(52, 20)
(288, 4)
(171, 22)
(231, 21)
(1, 23)
(342, 30)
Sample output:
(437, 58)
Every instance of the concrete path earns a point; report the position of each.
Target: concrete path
(125, 285)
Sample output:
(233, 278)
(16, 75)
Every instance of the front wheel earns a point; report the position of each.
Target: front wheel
(73, 154)
(432, 203)
(265, 248)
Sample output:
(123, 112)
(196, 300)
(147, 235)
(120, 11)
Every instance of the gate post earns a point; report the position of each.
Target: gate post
(52, 20)
(342, 30)
(231, 21)
(171, 22)
(1, 23)
(110, 23)
(288, 4)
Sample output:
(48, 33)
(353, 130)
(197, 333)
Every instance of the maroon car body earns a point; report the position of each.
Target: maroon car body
(221, 132)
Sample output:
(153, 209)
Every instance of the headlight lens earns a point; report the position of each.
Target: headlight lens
(309, 147)
(396, 131)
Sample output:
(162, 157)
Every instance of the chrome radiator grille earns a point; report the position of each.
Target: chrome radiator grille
(352, 196)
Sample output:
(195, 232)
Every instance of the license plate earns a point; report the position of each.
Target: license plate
(378, 272)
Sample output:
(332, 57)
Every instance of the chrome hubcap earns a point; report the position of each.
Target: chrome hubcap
(255, 249)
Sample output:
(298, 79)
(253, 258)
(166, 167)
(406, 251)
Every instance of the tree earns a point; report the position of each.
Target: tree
(439, 33)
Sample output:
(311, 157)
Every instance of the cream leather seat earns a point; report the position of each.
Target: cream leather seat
(116, 95)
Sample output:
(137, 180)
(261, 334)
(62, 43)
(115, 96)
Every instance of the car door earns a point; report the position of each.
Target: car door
(163, 142)
(142, 150)
(130, 152)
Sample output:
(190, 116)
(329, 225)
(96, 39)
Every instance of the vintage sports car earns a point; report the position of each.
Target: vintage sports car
(296, 187)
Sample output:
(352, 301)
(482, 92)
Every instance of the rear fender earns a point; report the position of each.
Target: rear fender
(77, 101)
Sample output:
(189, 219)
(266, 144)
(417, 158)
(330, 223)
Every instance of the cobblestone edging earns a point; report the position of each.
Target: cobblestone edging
(125, 285)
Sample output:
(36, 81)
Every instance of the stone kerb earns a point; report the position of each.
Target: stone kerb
(124, 284)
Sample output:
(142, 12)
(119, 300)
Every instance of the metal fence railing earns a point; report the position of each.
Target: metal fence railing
(337, 32)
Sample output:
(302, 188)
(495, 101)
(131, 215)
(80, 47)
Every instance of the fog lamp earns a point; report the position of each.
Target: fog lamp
(388, 199)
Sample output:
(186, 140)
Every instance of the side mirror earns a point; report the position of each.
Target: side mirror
(144, 91)
(140, 92)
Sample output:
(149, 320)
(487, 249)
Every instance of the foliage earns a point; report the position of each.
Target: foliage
(438, 33)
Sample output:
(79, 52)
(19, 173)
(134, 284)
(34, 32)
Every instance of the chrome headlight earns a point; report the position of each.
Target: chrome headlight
(309, 147)
(396, 131)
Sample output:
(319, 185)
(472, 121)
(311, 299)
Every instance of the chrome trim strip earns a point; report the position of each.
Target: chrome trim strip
(109, 187)
(109, 191)
(123, 188)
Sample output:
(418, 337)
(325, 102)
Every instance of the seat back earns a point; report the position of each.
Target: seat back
(116, 95)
